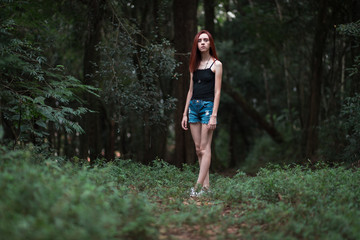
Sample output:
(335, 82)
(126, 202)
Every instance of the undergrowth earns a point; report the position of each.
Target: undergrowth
(47, 198)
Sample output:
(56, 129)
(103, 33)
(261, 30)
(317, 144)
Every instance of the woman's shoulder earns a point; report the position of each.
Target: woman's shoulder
(217, 63)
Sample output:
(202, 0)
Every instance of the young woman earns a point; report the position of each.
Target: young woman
(202, 103)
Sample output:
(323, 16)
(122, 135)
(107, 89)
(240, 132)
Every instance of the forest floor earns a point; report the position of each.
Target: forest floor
(48, 198)
(197, 231)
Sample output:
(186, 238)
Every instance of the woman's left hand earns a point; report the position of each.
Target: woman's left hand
(212, 123)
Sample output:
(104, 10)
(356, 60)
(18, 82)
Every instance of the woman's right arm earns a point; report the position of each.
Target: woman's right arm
(184, 121)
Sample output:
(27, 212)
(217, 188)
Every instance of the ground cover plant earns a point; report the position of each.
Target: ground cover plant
(43, 197)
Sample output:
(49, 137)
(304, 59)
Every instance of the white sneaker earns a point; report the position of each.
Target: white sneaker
(203, 191)
(193, 193)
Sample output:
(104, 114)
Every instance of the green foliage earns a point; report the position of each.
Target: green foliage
(137, 75)
(41, 199)
(264, 150)
(137, 79)
(350, 29)
(345, 129)
(296, 202)
(33, 93)
(350, 114)
(341, 136)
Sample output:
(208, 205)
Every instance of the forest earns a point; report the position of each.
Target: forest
(91, 100)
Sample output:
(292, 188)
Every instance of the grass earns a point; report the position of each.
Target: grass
(46, 198)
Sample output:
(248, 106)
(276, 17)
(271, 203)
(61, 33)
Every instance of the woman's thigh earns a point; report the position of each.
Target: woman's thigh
(206, 137)
(201, 135)
(195, 129)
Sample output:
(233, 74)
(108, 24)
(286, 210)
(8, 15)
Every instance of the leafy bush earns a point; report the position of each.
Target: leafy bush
(42, 201)
(297, 202)
(341, 135)
(141, 88)
(350, 109)
(46, 198)
(265, 150)
(34, 94)
(350, 114)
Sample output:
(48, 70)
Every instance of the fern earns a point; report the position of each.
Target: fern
(33, 93)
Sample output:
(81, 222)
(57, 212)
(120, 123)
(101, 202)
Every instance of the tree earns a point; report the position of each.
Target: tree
(34, 94)
(326, 17)
(185, 24)
(209, 8)
(91, 142)
(137, 69)
(322, 28)
(251, 112)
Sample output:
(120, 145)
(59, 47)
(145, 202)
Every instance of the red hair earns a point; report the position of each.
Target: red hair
(195, 56)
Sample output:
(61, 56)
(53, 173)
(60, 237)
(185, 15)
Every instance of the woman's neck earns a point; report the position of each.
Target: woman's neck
(205, 56)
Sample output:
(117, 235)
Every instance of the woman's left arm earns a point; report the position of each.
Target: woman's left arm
(218, 78)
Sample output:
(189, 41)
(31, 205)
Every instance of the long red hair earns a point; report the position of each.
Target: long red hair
(195, 56)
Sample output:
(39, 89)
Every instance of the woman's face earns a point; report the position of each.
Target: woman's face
(203, 42)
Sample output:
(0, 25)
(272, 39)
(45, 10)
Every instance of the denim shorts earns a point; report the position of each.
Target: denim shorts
(200, 111)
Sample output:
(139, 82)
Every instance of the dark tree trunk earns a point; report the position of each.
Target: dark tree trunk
(58, 137)
(51, 131)
(354, 50)
(67, 144)
(311, 131)
(110, 151)
(268, 95)
(355, 10)
(91, 140)
(166, 86)
(185, 30)
(108, 130)
(148, 154)
(237, 128)
(274, 134)
(209, 7)
(233, 157)
(156, 24)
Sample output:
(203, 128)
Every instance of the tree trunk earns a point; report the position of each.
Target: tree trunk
(108, 133)
(91, 140)
(286, 66)
(311, 131)
(249, 110)
(342, 81)
(209, 8)
(185, 30)
(232, 138)
(268, 95)
(354, 50)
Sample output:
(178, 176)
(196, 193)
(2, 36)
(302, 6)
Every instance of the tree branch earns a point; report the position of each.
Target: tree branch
(251, 112)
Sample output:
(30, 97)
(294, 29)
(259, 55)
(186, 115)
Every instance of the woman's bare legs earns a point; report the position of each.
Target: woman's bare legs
(202, 137)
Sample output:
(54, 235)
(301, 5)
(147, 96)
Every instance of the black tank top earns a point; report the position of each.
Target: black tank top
(204, 84)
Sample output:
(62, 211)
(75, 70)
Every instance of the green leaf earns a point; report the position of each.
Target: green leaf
(39, 100)
(41, 123)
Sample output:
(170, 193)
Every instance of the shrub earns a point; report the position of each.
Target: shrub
(42, 198)
(45, 201)
(34, 94)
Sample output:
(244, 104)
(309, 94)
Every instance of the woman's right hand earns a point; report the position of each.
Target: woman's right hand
(184, 122)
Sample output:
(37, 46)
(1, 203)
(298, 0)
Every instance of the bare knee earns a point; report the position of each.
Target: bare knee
(199, 152)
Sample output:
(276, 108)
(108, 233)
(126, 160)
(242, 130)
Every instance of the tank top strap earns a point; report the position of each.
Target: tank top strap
(213, 63)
